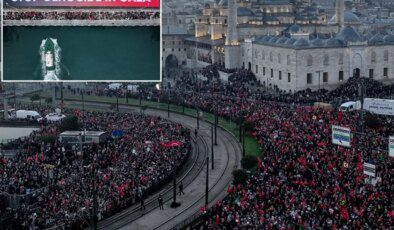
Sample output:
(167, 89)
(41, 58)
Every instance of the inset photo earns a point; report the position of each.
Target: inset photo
(81, 41)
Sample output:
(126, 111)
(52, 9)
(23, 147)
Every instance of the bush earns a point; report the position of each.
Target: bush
(239, 176)
(249, 126)
(70, 123)
(249, 162)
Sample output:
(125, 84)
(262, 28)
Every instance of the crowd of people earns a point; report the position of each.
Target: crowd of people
(81, 15)
(302, 179)
(53, 184)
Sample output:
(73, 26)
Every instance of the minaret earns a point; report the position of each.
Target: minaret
(232, 34)
(339, 12)
(232, 49)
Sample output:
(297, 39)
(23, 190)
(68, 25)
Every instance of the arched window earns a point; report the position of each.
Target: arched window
(373, 57)
(386, 55)
(326, 59)
(288, 60)
(309, 60)
(271, 57)
(279, 59)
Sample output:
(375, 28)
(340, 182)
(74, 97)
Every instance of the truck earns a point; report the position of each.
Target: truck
(27, 115)
(350, 106)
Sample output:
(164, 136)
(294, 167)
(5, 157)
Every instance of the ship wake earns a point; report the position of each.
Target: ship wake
(52, 75)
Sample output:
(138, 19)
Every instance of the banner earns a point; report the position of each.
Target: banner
(84, 3)
(379, 106)
(369, 169)
(391, 146)
(341, 136)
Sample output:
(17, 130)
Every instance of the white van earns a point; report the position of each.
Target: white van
(27, 114)
(350, 106)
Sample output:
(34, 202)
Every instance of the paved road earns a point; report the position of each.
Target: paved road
(227, 156)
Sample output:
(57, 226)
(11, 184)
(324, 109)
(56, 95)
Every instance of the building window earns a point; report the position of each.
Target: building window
(309, 78)
(280, 75)
(326, 60)
(385, 72)
(271, 57)
(373, 57)
(216, 21)
(179, 49)
(288, 77)
(256, 54)
(325, 77)
(164, 49)
(340, 61)
(279, 59)
(370, 73)
(309, 60)
(340, 78)
(272, 73)
(288, 60)
(386, 55)
(164, 42)
(263, 55)
(264, 71)
(257, 69)
(172, 49)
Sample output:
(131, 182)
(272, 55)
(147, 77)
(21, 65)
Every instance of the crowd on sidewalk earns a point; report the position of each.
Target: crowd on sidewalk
(53, 184)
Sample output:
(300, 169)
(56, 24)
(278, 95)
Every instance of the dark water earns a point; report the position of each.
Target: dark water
(87, 53)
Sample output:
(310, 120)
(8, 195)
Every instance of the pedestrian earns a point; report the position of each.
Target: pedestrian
(161, 202)
(142, 203)
(180, 186)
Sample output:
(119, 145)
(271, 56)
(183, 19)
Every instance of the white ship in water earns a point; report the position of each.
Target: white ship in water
(50, 59)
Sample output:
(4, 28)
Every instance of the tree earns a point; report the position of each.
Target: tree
(240, 176)
(70, 123)
(249, 162)
(48, 100)
(35, 97)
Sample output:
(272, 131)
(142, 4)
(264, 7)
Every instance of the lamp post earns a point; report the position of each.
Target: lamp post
(212, 154)
(174, 204)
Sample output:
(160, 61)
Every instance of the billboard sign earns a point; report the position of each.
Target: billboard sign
(341, 136)
(369, 169)
(391, 146)
(379, 106)
(84, 3)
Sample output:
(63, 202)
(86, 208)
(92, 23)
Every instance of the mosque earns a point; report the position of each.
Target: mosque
(286, 47)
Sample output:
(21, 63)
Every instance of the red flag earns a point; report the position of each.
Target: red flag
(340, 117)
(259, 164)
(344, 213)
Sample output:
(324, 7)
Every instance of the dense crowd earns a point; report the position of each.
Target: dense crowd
(81, 15)
(303, 181)
(55, 182)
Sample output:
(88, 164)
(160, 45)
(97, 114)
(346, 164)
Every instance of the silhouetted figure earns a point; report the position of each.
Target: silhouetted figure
(142, 203)
(180, 186)
(160, 202)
